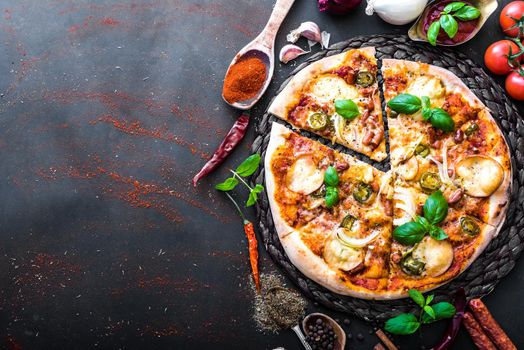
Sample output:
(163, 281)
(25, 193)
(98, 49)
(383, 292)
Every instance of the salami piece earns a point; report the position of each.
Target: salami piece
(490, 326)
(480, 338)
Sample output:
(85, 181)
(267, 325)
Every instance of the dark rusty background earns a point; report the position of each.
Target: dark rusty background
(107, 109)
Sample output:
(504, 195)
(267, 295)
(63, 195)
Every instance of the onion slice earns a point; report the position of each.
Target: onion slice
(355, 242)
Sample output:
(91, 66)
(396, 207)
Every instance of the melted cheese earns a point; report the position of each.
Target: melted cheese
(329, 88)
(426, 86)
(437, 255)
(408, 169)
(481, 176)
(304, 177)
(342, 257)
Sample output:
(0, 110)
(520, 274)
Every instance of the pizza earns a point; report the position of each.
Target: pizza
(337, 98)
(371, 234)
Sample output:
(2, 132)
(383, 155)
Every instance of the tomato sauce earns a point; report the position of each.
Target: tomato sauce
(465, 28)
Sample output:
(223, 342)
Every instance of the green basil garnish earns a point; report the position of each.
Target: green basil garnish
(449, 24)
(467, 13)
(409, 233)
(405, 103)
(227, 185)
(441, 311)
(435, 211)
(440, 119)
(454, 6)
(409, 323)
(433, 31)
(347, 109)
(402, 324)
(248, 166)
(436, 208)
(253, 195)
(331, 177)
(331, 196)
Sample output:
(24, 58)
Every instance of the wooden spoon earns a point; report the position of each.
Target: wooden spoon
(340, 342)
(263, 47)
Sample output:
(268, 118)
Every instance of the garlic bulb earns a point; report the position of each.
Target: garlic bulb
(397, 12)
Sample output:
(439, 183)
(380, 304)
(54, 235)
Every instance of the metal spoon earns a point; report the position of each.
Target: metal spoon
(263, 47)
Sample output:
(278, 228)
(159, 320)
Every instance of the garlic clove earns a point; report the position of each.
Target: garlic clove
(308, 30)
(290, 52)
(324, 41)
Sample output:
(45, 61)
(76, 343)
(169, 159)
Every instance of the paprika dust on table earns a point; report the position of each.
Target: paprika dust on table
(244, 79)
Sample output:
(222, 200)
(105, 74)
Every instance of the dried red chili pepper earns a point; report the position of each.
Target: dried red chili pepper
(232, 139)
(253, 251)
(252, 243)
(456, 321)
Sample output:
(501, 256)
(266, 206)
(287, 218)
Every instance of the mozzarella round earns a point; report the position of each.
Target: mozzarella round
(437, 255)
(480, 175)
(409, 169)
(341, 256)
(426, 86)
(329, 88)
(304, 177)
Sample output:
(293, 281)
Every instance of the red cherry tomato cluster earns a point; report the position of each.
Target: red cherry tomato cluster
(507, 56)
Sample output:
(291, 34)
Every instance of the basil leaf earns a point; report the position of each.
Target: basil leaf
(442, 310)
(467, 13)
(424, 222)
(331, 196)
(429, 310)
(440, 119)
(426, 103)
(227, 185)
(248, 166)
(331, 177)
(409, 233)
(429, 299)
(436, 208)
(454, 6)
(433, 31)
(417, 297)
(449, 24)
(405, 103)
(347, 109)
(402, 324)
(437, 233)
(253, 195)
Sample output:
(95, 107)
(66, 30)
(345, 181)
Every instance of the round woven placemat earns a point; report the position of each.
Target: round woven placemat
(500, 255)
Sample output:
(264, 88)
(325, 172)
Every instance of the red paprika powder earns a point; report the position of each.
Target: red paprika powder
(244, 80)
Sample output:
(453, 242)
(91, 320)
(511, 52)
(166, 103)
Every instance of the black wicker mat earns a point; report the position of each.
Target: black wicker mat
(498, 258)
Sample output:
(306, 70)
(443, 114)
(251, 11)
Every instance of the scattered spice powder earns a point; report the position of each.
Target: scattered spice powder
(244, 79)
(277, 307)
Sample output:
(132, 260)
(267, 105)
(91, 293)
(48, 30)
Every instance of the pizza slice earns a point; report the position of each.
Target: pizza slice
(442, 139)
(340, 241)
(337, 98)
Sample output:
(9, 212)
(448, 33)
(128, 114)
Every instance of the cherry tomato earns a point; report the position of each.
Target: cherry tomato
(496, 56)
(515, 85)
(513, 10)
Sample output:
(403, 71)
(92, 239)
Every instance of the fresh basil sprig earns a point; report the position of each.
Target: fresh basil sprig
(331, 181)
(448, 20)
(435, 211)
(408, 323)
(246, 168)
(347, 109)
(411, 104)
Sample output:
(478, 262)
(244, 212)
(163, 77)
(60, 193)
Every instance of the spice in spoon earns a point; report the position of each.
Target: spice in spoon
(244, 79)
